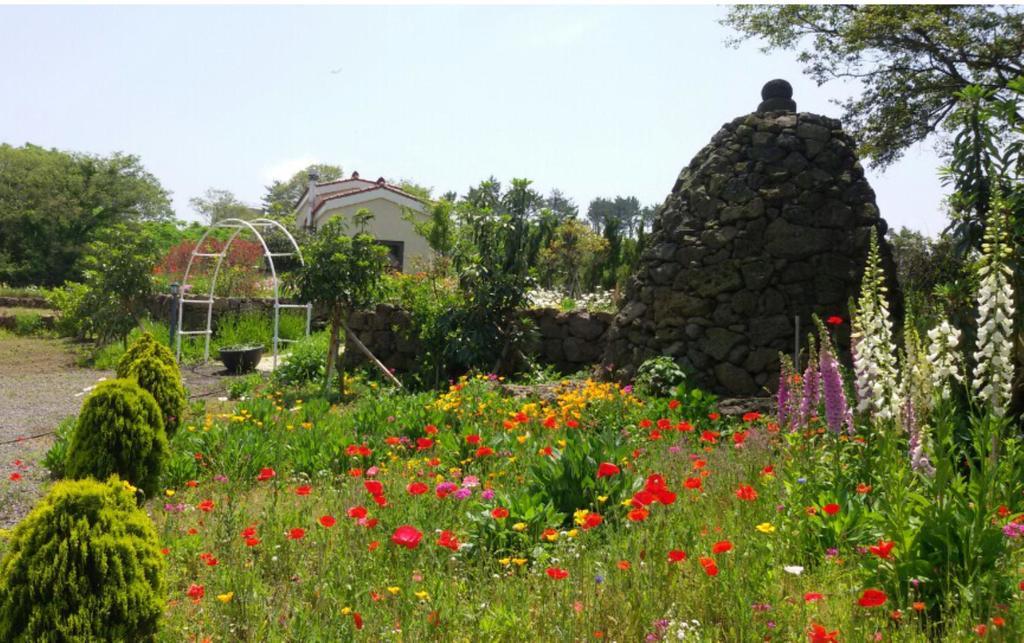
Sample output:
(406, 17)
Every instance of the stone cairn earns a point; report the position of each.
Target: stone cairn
(770, 222)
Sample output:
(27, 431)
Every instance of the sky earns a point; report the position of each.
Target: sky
(597, 101)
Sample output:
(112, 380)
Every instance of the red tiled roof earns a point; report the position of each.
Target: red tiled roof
(344, 193)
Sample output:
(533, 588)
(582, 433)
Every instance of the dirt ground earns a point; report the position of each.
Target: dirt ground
(40, 385)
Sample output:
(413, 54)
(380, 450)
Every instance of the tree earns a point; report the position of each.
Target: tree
(343, 274)
(216, 205)
(281, 197)
(118, 273)
(564, 207)
(573, 248)
(910, 60)
(53, 203)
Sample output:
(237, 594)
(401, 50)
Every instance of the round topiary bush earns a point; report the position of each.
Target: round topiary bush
(84, 565)
(659, 376)
(164, 384)
(145, 346)
(120, 431)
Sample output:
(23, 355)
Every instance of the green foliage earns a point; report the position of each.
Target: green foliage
(84, 565)
(255, 327)
(305, 361)
(163, 382)
(118, 274)
(282, 196)
(146, 346)
(243, 386)
(572, 258)
(56, 457)
(909, 59)
(120, 431)
(73, 319)
(54, 203)
(215, 205)
(659, 376)
(27, 323)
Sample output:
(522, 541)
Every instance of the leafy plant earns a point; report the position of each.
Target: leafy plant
(56, 457)
(305, 361)
(163, 382)
(659, 376)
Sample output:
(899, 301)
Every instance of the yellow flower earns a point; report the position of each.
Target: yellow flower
(521, 439)
(602, 499)
(346, 611)
(225, 598)
(394, 590)
(562, 443)
(572, 533)
(766, 528)
(519, 526)
(169, 493)
(579, 516)
(423, 596)
(505, 561)
(628, 502)
(519, 561)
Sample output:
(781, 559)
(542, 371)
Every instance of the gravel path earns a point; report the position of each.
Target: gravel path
(40, 385)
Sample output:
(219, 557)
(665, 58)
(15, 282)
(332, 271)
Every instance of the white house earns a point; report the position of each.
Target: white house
(390, 207)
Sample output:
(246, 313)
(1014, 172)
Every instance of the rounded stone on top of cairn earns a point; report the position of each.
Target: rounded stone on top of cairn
(777, 96)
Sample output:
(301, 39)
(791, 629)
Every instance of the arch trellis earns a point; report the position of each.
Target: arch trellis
(239, 226)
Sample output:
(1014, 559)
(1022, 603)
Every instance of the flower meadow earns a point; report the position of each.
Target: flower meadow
(882, 501)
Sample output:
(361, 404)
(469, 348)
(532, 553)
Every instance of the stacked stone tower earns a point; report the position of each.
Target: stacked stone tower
(768, 224)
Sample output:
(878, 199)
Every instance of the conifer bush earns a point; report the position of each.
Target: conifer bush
(120, 431)
(163, 382)
(84, 565)
(145, 345)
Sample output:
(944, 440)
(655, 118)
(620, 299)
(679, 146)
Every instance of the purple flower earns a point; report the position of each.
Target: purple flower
(1013, 530)
(488, 494)
(372, 471)
(220, 477)
(462, 494)
(837, 412)
(628, 388)
(446, 487)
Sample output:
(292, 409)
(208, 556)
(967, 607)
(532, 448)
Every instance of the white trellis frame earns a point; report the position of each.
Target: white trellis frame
(239, 226)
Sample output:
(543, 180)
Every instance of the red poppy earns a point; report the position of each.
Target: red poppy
(872, 598)
(298, 533)
(473, 439)
(205, 506)
(381, 501)
(709, 436)
(266, 473)
(484, 452)
(550, 422)
(448, 539)
(751, 416)
(831, 509)
(768, 470)
(430, 429)
(606, 470)
(643, 498)
(981, 630)
(709, 565)
(195, 592)
(713, 416)
(499, 513)
(392, 440)
(721, 547)
(192, 484)
(740, 437)
(810, 597)
(673, 404)
(834, 320)
(357, 618)
(14, 477)
(572, 424)
(623, 565)
(357, 512)
(645, 423)
(638, 515)
(883, 549)
(998, 621)
(684, 426)
(252, 541)
(374, 487)
(407, 536)
(818, 634)
(664, 424)
(693, 483)
(417, 488)
(422, 444)
(373, 545)
(556, 573)
(676, 556)
(591, 520)
(746, 492)
(303, 490)
(327, 521)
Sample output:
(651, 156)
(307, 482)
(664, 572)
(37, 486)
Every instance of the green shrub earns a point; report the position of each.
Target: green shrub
(72, 320)
(145, 346)
(163, 382)
(305, 361)
(659, 376)
(56, 458)
(27, 323)
(85, 565)
(120, 430)
(243, 386)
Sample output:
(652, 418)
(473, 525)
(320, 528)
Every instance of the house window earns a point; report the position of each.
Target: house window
(396, 253)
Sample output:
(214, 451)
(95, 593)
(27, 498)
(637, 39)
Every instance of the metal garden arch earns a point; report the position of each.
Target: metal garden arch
(238, 225)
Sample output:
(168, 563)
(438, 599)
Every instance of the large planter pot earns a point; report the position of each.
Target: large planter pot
(240, 359)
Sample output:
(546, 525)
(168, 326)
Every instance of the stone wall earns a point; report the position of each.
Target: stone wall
(769, 222)
(568, 341)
